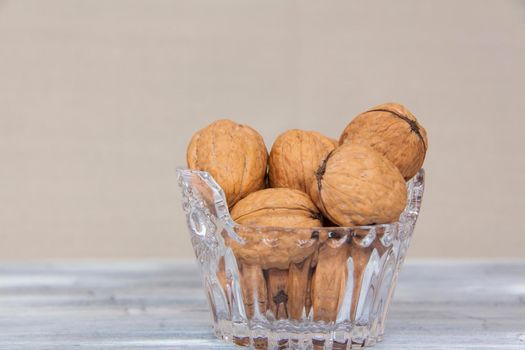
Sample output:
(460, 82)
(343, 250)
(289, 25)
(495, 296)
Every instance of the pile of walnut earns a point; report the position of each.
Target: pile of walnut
(309, 180)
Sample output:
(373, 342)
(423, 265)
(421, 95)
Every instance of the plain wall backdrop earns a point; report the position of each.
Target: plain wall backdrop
(98, 100)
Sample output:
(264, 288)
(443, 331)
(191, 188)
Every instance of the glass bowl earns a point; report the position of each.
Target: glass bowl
(295, 288)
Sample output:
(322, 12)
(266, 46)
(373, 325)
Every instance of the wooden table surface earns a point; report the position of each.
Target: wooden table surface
(160, 305)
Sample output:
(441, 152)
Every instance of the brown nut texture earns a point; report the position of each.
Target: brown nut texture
(356, 185)
(234, 154)
(295, 156)
(392, 130)
(279, 208)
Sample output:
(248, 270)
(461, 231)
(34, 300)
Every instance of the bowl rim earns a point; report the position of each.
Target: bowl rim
(208, 178)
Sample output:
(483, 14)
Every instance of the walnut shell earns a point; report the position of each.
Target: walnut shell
(356, 185)
(393, 131)
(234, 154)
(295, 157)
(279, 208)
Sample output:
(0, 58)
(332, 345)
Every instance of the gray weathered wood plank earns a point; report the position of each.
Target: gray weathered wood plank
(161, 305)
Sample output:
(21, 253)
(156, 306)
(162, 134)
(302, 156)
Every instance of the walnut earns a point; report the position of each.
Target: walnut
(234, 154)
(280, 214)
(278, 251)
(393, 131)
(356, 185)
(279, 207)
(295, 156)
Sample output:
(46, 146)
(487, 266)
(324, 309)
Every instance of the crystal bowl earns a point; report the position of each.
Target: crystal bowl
(295, 288)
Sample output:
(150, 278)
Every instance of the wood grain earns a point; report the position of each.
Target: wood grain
(161, 305)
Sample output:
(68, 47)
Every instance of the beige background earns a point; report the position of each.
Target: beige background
(99, 98)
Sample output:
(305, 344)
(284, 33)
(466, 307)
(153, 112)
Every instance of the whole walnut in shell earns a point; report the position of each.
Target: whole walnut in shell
(295, 157)
(356, 185)
(234, 154)
(393, 131)
(280, 208)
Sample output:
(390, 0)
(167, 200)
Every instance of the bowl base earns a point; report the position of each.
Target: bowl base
(290, 336)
